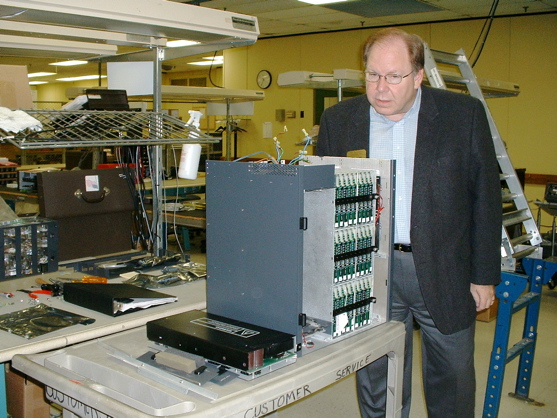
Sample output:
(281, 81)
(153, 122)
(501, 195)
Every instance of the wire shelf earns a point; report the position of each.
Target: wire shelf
(95, 128)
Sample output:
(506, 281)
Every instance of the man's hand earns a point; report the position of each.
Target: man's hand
(484, 295)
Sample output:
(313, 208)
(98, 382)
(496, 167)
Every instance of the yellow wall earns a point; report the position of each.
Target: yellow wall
(519, 49)
(53, 95)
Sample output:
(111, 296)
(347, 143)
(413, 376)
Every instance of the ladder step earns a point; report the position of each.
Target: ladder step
(504, 176)
(508, 197)
(525, 300)
(448, 57)
(515, 217)
(453, 78)
(521, 239)
(524, 253)
(518, 348)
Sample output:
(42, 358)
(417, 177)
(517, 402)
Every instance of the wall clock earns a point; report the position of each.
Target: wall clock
(264, 79)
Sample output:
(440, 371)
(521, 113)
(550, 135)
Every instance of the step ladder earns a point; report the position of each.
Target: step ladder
(519, 216)
(516, 292)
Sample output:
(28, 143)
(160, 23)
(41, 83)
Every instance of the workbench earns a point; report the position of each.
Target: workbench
(190, 218)
(190, 296)
(122, 390)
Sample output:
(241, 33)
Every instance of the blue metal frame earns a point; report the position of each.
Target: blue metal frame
(511, 300)
(3, 401)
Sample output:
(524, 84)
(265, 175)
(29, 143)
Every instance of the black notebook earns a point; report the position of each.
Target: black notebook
(114, 299)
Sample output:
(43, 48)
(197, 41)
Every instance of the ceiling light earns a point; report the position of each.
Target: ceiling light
(22, 45)
(320, 2)
(218, 60)
(68, 63)
(83, 77)
(39, 74)
(180, 42)
(34, 83)
(207, 62)
(77, 34)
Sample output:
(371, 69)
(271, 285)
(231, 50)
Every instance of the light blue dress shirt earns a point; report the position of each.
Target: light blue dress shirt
(397, 141)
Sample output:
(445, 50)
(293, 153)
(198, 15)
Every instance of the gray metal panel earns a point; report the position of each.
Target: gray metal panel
(254, 241)
(318, 255)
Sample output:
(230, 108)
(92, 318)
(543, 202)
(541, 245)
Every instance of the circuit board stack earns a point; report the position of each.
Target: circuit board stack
(356, 210)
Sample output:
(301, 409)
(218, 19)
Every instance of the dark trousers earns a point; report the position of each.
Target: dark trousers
(447, 360)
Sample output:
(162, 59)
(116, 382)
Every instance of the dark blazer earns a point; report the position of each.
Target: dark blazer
(456, 197)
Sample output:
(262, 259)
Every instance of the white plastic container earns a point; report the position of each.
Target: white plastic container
(189, 161)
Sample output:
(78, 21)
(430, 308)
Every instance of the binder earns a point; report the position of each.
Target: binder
(114, 298)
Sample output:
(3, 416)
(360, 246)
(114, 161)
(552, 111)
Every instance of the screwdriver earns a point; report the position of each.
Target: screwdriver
(57, 287)
(92, 279)
(84, 279)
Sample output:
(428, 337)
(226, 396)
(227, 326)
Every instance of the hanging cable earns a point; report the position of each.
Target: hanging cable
(484, 33)
(211, 70)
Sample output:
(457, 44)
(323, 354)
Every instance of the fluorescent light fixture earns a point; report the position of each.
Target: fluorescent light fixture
(321, 2)
(53, 47)
(39, 74)
(83, 77)
(219, 60)
(206, 63)
(34, 83)
(78, 34)
(68, 63)
(179, 43)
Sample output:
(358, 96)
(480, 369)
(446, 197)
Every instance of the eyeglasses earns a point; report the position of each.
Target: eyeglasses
(389, 78)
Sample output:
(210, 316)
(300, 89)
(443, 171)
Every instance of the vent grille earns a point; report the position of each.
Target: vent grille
(273, 169)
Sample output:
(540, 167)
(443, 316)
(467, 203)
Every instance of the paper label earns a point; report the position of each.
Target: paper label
(92, 184)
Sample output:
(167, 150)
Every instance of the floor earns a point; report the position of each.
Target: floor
(339, 400)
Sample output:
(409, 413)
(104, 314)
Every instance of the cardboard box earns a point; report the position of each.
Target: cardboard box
(15, 92)
(25, 396)
(489, 314)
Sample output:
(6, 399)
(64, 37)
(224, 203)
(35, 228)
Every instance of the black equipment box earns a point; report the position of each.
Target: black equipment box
(223, 340)
(551, 192)
(102, 99)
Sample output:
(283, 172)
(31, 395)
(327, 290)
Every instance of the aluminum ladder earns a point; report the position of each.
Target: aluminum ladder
(520, 216)
(511, 290)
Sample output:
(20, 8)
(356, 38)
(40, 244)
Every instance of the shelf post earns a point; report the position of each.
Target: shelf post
(228, 132)
(159, 236)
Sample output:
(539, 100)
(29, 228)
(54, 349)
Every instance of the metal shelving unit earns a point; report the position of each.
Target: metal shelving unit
(94, 128)
(145, 25)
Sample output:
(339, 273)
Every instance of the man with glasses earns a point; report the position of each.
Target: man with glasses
(447, 226)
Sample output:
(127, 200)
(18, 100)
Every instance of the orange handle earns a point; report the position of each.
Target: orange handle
(92, 279)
